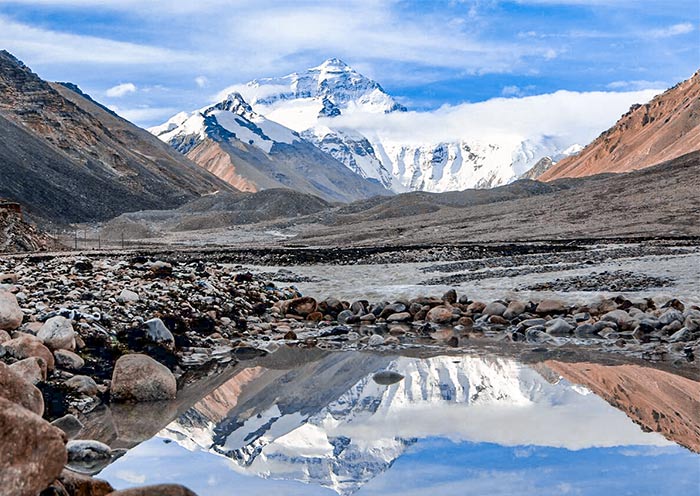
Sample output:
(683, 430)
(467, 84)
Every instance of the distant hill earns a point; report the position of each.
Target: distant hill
(67, 159)
(663, 129)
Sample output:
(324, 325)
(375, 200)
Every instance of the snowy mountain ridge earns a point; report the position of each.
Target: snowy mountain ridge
(344, 444)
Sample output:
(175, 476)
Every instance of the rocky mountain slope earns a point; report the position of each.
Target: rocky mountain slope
(19, 236)
(253, 153)
(67, 159)
(311, 101)
(663, 129)
(655, 201)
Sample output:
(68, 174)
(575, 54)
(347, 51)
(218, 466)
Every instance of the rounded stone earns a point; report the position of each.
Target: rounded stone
(10, 312)
(68, 360)
(551, 306)
(32, 369)
(26, 346)
(33, 451)
(140, 378)
(15, 388)
(57, 334)
(494, 308)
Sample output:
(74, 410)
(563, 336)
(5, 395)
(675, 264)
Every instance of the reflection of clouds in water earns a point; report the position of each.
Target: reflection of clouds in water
(488, 425)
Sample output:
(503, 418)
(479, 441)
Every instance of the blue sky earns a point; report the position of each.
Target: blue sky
(154, 58)
(437, 466)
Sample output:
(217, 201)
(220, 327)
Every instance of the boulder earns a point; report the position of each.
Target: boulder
(69, 424)
(57, 334)
(4, 336)
(558, 327)
(87, 456)
(127, 296)
(621, 319)
(440, 315)
(387, 377)
(16, 389)
(26, 346)
(399, 317)
(82, 384)
(157, 490)
(140, 378)
(11, 314)
(302, 306)
(158, 333)
(82, 485)
(450, 297)
(33, 451)
(515, 308)
(494, 308)
(376, 340)
(551, 306)
(32, 369)
(68, 360)
(161, 269)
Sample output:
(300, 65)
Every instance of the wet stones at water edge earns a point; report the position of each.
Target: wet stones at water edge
(140, 378)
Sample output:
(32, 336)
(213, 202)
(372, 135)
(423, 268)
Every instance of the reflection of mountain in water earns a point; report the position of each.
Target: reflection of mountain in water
(329, 423)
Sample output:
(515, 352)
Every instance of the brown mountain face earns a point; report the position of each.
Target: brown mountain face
(66, 158)
(656, 400)
(663, 129)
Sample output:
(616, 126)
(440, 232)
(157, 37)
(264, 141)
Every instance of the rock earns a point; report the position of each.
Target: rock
(440, 315)
(11, 314)
(139, 378)
(387, 377)
(450, 297)
(33, 451)
(8, 278)
(586, 331)
(69, 424)
(551, 307)
(534, 335)
(375, 340)
(692, 322)
(157, 490)
(476, 307)
(399, 317)
(494, 308)
(558, 327)
(57, 334)
(32, 369)
(158, 333)
(619, 317)
(370, 317)
(346, 317)
(290, 335)
(671, 315)
(532, 322)
(82, 384)
(4, 336)
(514, 309)
(683, 334)
(161, 269)
(302, 306)
(26, 346)
(87, 456)
(358, 307)
(127, 296)
(315, 317)
(82, 485)
(18, 390)
(68, 360)
(392, 309)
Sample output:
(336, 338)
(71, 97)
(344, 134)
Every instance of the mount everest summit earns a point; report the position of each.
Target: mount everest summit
(351, 118)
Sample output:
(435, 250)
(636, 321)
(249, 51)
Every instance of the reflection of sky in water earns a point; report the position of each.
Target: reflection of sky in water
(440, 467)
(468, 425)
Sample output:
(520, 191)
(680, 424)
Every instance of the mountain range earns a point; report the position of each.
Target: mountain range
(329, 423)
(320, 104)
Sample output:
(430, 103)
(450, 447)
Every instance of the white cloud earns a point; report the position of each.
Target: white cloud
(121, 90)
(144, 114)
(43, 46)
(675, 30)
(636, 85)
(576, 117)
(201, 81)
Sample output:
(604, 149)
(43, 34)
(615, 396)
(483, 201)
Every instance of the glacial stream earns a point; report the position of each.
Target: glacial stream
(310, 422)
